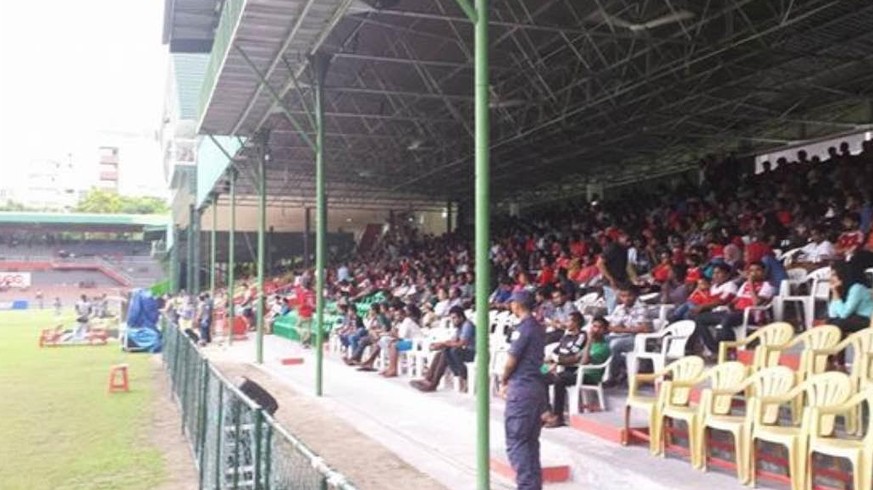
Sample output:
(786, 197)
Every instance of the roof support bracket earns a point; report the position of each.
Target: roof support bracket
(306, 109)
(468, 9)
(230, 158)
(281, 103)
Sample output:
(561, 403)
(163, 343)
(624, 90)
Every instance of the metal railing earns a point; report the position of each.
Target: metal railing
(236, 444)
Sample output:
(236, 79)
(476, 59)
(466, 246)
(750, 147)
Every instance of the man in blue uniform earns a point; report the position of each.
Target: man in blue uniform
(523, 386)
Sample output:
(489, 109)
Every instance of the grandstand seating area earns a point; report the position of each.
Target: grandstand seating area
(796, 219)
(66, 269)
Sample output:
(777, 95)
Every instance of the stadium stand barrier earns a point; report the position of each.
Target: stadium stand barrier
(236, 443)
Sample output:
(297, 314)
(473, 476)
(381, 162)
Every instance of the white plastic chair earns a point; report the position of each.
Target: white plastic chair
(585, 301)
(574, 393)
(788, 256)
(820, 291)
(796, 277)
(742, 330)
(498, 359)
(673, 340)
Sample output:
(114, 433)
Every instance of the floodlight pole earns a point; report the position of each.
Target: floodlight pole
(262, 224)
(231, 254)
(320, 64)
(483, 232)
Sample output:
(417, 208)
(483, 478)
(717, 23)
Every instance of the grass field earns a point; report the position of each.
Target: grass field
(59, 429)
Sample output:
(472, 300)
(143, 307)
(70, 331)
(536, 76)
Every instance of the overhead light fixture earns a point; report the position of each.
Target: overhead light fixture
(601, 16)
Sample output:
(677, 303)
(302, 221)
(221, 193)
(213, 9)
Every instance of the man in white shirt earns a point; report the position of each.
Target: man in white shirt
(559, 317)
(627, 320)
(754, 292)
(819, 248)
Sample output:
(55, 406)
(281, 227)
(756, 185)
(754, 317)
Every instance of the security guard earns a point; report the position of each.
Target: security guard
(523, 386)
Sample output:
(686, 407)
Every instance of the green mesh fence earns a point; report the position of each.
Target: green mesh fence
(235, 443)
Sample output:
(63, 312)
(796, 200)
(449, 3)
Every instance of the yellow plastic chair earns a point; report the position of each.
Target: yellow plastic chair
(685, 369)
(821, 390)
(716, 404)
(817, 338)
(772, 335)
(727, 374)
(861, 345)
(859, 452)
(812, 340)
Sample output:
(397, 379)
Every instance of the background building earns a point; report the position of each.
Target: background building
(107, 173)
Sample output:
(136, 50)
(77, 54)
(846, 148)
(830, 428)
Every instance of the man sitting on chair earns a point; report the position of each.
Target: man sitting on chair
(574, 350)
(754, 292)
(452, 353)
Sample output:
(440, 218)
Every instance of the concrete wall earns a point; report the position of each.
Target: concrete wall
(287, 219)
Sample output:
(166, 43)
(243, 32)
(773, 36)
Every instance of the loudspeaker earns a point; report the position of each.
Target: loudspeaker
(259, 395)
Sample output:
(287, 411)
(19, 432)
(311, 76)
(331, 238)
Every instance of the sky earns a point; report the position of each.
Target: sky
(78, 75)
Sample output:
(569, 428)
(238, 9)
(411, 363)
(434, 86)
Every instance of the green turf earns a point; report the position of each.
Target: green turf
(59, 428)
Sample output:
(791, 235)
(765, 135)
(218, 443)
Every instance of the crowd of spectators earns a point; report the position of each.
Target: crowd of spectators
(709, 247)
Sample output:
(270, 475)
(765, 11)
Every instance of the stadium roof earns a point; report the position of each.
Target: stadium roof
(112, 222)
(580, 91)
(189, 70)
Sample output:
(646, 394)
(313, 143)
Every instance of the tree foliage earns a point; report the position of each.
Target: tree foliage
(106, 202)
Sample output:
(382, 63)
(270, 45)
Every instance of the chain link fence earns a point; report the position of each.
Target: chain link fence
(236, 444)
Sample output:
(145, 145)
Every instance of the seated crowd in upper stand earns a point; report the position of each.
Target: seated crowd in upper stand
(710, 250)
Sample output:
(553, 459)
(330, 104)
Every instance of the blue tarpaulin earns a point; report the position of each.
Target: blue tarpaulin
(142, 323)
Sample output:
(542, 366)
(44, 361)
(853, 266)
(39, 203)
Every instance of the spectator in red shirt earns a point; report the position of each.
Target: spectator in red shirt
(851, 238)
(304, 301)
(547, 274)
(754, 292)
(757, 249)
(661, 272)
(578, 248)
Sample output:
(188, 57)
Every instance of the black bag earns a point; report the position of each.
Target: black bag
(259, 395)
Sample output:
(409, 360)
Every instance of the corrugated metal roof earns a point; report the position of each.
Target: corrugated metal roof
(580, 91)
(189, 70)
(8, 217)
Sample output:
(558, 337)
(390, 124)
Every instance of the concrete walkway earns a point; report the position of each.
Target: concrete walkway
(436, 433)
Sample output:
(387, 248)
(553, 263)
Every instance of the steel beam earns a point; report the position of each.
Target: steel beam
(301, 16)
(276, 97)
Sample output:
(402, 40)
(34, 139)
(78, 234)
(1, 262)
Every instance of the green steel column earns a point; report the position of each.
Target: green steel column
(231, 256)
(195, 269)
(483, 266)
(320, 64)
(174, 259)
(262, 224)
(212, 247)
(189, 260)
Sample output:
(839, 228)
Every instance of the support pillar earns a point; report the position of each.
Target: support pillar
(449, 217)
(189, 256)
(197, 253)
(231, 254)
(262, 225)
(213, 247)
(483, 231)
(307, 233)
(174, 259)
(320, 63)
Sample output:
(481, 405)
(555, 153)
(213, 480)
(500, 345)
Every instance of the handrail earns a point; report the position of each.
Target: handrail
(193, 379)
